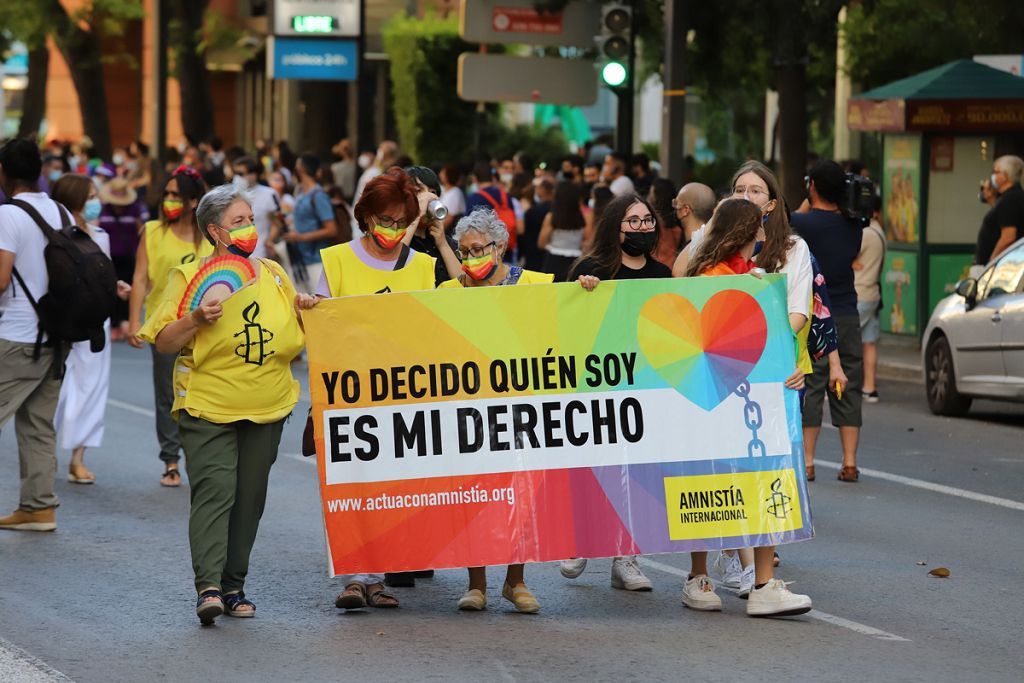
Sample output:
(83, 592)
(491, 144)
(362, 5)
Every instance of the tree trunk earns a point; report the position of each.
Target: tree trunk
(790, 82)
(193, 78)
(34, 107)
(81, 51)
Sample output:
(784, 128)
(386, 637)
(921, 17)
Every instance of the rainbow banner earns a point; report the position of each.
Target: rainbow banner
(496, 425)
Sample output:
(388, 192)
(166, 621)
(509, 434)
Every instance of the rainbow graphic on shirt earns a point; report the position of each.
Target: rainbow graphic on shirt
(232, 272)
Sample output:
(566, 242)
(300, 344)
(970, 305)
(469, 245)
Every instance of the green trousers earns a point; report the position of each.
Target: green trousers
(228, 469)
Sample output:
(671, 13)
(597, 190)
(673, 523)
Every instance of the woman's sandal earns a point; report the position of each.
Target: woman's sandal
(209, 606)
(380, 598)
(171, 478)
(353, 597)
(850, 474)
(810, 472)
(80, 475)
(234, 602)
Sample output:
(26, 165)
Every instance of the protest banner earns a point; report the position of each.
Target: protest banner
(497, 425)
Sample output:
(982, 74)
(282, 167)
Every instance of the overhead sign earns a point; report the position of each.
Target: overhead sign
(336, 18)
(537, 423)
(548, 80)
(516, 21)
(312, 59)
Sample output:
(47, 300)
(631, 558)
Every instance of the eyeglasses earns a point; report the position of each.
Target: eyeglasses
(386, 221)
(638, 224)
(753, 192)
(473, 252)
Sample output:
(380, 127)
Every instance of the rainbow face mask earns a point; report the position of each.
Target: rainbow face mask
(387, 238)
(173, 208)
(480, 267)
(243, 240)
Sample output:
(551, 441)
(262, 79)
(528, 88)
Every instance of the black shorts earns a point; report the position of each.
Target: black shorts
(846, 412)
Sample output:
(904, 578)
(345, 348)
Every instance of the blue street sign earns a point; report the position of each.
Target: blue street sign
(312, 59)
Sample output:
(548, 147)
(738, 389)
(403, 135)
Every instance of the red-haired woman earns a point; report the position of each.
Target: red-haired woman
(376, 263)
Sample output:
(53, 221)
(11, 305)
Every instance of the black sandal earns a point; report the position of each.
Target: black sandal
(174, 475)
(209, 606)
(232, 602)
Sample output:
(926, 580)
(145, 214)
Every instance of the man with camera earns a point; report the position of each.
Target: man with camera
(832, 230)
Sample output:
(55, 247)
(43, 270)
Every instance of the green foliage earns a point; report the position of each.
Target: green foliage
(893, 39)
(540, 144)
(433, 123)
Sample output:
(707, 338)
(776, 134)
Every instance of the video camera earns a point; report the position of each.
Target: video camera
(858, 199)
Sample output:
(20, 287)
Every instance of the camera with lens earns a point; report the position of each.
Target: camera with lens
(858, 199)
(436, 210)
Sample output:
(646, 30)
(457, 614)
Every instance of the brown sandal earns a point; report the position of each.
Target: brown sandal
(380, 598)
(849, 474)
(810, 472)
(171, 478)
(353, 597)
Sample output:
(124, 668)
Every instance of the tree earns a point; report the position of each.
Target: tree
(190, 65)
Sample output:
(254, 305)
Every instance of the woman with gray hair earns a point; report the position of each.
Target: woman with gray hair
(483, 239)
(234, 322)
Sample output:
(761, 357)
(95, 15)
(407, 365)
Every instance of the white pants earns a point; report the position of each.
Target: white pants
(365, 579)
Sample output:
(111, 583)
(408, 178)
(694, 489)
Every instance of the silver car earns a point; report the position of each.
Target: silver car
(974, 342)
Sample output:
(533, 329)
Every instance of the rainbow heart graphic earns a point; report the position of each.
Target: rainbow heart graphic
(704, 355)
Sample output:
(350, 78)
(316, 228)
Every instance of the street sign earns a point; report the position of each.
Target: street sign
(504, 78)
(327, 18)
(516, 21)
(312, 59)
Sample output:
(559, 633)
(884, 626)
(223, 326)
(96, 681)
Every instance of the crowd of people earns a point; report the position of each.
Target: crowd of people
(371, 224)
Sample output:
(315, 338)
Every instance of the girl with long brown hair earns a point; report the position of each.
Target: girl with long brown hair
(739, 223)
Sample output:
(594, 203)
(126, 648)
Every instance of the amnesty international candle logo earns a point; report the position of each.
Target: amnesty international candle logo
(731, 504)
(254, 337)
(778, 502)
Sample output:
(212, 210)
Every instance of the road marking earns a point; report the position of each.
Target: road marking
(18, 665)
(929, 486)
(815, 613)
(878, 474)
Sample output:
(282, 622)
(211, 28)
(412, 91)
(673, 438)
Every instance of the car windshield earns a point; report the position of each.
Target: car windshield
(1006, 276)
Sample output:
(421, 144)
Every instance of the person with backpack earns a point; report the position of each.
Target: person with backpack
(313, 223)
(492, 195)
(172, 240)
(55, 290)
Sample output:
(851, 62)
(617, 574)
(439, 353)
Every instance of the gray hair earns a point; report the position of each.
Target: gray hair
(1012, 166)
(213, 205)
(485, 222)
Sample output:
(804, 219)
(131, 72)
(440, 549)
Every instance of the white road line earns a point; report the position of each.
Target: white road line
(18, 665)
(929, 486)
(895, 478)
(815, 613)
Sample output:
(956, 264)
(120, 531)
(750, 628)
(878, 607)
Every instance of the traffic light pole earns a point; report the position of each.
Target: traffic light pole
(673, 120)
(627, 94)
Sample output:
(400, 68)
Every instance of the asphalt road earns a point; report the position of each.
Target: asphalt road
(108, 597)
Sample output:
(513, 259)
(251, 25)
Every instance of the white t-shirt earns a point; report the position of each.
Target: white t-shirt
(621, 186)
(263, 207)
(20, 235)
(369, 174)
(799, 274)
(454, 200)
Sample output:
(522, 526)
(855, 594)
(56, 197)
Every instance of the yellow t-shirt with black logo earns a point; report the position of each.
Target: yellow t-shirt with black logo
(238, 368)
(528, 277)
(347, 275)
(164, 251)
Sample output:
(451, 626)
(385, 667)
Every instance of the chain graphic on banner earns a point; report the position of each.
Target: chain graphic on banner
(753, 419)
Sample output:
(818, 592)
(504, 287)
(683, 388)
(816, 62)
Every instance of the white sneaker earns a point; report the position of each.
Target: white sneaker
(728, 570)
(774, 600)
(746, 582)
(699, 594)
(571, 569)
(626, 575)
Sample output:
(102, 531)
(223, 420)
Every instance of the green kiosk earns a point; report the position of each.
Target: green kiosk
(941, 130)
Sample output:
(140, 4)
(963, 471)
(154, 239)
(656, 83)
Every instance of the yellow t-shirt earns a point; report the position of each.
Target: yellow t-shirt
(528, 277)
(347, 275)
(164, 251)
(239, 368)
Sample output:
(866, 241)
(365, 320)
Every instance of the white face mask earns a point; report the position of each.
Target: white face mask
(365, 161)
(240, 182)
(590, 202)
(118, 159)
(995, 183)
(506, 178)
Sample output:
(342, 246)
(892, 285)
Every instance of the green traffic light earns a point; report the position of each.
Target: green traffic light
(613, 74)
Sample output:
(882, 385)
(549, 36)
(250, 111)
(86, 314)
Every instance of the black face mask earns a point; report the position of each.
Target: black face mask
(639, 243)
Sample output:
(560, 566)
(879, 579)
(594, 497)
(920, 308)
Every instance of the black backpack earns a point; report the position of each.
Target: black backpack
(83, 287)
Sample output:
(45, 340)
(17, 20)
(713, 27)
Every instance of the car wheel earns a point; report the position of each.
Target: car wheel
(940, 381)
